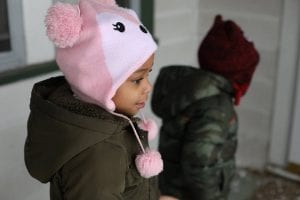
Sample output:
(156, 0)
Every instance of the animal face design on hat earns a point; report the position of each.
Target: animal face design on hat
(129, 36)
(99, 45)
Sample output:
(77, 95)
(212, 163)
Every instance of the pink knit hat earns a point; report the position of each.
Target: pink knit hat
(99, 45)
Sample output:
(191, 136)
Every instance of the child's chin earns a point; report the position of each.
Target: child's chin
(130, 113)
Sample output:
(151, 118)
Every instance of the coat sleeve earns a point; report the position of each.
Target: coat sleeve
(208, 148)
(97, 173)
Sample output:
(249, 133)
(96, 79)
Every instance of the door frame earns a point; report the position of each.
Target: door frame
(284, 103)
(294, 151)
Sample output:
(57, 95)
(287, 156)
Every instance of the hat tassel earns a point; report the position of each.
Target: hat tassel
(149, 163)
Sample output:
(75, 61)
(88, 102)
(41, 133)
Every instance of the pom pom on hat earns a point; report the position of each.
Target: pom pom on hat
(150, 126)
(63, 23)
(149, 163)
(227, 52)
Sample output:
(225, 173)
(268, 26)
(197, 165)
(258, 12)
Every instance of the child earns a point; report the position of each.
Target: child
(198, 137)
(83, 137)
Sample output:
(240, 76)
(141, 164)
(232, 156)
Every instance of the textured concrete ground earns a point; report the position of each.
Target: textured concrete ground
(253, 185)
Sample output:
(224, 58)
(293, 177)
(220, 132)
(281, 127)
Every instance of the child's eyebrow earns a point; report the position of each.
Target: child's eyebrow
(143, 70)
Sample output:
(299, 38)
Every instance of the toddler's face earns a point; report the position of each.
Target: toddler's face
(132, 95)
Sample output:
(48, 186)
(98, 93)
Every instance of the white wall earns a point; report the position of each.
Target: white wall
(15, 182)
(38, 47)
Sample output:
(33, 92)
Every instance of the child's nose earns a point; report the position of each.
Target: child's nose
(148, 86)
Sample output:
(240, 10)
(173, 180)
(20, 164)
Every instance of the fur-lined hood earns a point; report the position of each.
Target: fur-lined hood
(57, 133)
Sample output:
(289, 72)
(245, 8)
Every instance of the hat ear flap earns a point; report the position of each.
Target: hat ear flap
(63, 23)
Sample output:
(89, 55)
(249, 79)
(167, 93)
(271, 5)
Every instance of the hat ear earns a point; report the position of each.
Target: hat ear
(218, 19)
(63, 23)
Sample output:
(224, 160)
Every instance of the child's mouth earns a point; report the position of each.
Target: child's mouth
(140, 105)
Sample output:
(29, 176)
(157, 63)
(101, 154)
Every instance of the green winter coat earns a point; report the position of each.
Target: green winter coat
(84, 152)
(198, 135)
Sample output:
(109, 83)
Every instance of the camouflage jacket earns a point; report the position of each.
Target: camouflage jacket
(198, 134)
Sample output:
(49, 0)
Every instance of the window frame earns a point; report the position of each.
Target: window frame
(15, 58)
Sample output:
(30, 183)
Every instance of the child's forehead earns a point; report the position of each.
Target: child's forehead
(148, 64)
(143, 69)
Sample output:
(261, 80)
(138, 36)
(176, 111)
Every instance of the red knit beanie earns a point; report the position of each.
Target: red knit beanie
(226, 51)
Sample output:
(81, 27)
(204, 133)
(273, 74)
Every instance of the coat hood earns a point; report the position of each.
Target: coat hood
(179, 86)
(57, 134)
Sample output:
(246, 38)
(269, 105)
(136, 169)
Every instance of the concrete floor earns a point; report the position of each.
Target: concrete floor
(252, 185)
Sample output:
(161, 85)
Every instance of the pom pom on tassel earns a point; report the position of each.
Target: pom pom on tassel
(150, 126)
(63, 23)
(149, 163)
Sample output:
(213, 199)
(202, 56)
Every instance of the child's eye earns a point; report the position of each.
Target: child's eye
(137, 81)
(148, 73)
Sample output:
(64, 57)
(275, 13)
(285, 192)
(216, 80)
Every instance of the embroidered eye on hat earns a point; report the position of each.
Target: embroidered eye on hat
(99, 45)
